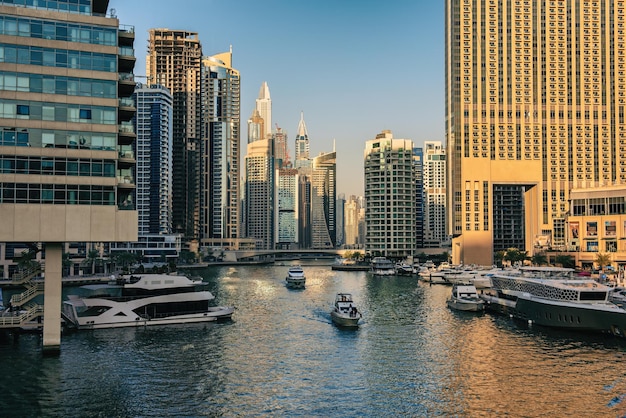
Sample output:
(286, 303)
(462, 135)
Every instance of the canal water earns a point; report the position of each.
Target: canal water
(281, 356)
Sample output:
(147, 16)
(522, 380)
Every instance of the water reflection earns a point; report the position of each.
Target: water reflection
(281, 356)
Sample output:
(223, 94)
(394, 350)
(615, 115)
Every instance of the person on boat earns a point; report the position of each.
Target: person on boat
(353, 311)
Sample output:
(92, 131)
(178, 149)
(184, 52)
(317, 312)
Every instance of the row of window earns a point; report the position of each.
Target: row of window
(61, 58)
(60, 194)
(56, 166)
(72, 6)
(40, 138)
(71, 86)
(59, 31)
(58, 112)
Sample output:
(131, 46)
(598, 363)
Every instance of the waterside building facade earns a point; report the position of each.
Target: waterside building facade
(535, 96)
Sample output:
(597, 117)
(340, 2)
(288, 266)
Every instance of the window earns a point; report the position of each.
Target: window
(23, 110)
(84, 114)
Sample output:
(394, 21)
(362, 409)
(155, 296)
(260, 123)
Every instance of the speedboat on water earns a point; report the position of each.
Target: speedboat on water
(465, 298)
(553, 297)
(142, 300)
(345, 312)
(382, 266)
(295, 277)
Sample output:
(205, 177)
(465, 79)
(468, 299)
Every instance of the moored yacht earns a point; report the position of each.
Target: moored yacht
(464, 297)
(382, 266)
(142, 300)
(553, 297)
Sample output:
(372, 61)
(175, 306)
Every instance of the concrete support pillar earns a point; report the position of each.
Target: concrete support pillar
(53, 287)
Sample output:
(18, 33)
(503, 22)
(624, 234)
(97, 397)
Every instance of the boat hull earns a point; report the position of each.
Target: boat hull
(466, 305)
(114, 314)
(345, 320)
(295, 283)
(605, 318)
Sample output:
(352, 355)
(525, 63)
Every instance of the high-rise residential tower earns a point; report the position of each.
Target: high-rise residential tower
(153, 152)
(535, 99)
(286, 211)
(220, 151)
(323, 201)
(66, 77)
(264, 107)
(174, 61)
(434, 185)
(390, 197)
(259, 201)
(418, 169)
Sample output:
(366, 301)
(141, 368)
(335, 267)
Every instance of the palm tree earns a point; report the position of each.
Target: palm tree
(603, 260)
(565, 260)
(539, 259)
(91, 258)
(498, 257)
(66, 263)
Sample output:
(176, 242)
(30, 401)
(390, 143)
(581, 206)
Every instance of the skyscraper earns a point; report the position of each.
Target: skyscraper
(220, 151)
(66, 77)
(390, 196)
(153, 124)
(174, 61)
(323, 201)
(256, 127)
(259, 202)
(264, 107)
(535, 99)
(302, 154)
(434, 180)
(287, 205)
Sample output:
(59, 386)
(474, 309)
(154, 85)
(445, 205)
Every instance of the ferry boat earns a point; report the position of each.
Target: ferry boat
(382, 266)
(295, 277)
(142, 300)
(553, 297)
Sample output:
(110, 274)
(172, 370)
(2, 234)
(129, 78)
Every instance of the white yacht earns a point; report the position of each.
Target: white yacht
(142, 300)
(465, 298)
(296, 278)
(345, 312)
(382, 266)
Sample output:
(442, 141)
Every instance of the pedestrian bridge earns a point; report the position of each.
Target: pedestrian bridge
(272, 255)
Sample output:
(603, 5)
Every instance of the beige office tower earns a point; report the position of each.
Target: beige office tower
(174, 61)
(535, 94)
(66, 139)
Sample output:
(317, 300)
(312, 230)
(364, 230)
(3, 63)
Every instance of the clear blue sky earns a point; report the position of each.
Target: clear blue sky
(353, 67)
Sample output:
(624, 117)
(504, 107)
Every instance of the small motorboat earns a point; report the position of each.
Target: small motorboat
(465, 298)
(345, 312)
(295, 277)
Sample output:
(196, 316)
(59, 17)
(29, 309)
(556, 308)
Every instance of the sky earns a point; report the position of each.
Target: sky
(354, 68)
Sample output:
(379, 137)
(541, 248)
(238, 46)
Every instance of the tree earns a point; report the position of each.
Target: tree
(66, 263)
(498, 257)
(90, 260)
(514, 255)
(603, 260)
(124, 259)
(565, 260)
(539, 259)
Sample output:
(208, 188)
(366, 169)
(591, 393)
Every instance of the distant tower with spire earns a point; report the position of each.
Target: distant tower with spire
(302, 144)
(264, 107)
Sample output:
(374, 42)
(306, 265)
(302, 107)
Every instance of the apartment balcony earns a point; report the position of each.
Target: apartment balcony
(126, 84)
(126, 133)
(126, 109)
(126, 35)
(126, 59)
